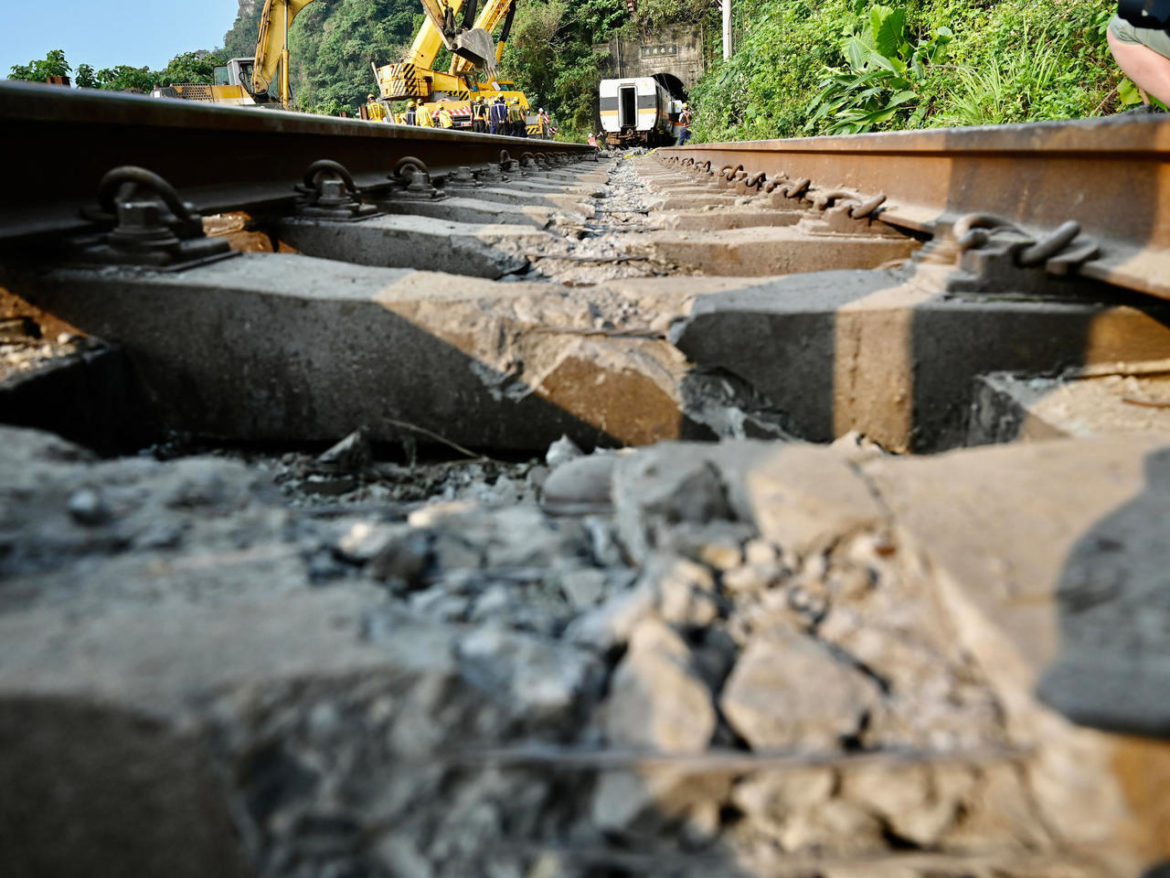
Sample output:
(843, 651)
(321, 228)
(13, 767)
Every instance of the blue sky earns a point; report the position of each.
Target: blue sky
(132, 32)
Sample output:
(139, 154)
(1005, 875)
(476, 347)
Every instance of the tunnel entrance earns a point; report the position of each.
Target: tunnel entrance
(672, 84)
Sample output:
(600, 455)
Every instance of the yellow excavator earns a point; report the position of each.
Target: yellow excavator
(247, 81)
(474, 63)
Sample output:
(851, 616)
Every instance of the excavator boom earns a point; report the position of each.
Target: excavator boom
(272, 47)
(490, 16)
(473, 69)
(440, 29)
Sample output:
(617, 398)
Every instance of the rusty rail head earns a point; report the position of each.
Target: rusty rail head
(219, 158)
(1111, 175)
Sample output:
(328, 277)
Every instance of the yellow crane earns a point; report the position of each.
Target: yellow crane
(246, 81)
(474, 64)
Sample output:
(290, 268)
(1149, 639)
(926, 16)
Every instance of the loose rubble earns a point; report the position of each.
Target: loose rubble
(465, 672)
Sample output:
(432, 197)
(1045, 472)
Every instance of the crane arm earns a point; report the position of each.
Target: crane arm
(493, 12)
(275, 20)
(436, 32)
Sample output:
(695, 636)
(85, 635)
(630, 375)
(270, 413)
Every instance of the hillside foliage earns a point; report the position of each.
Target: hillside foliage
(808, 67)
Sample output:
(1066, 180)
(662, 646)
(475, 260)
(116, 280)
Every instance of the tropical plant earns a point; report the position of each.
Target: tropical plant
(53, 64)
(86, 77)
(123, 77)
(190, 67)
(884, 77)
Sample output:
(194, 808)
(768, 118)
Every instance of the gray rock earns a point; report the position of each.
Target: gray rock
(648, 802)
(584, 587)
(612, 623)
(657, 701)
(686, 591)
(362, 541)
(561, 452)
(776, 794)
(88, 507)
(655, 490)
(836, 826)
(805, 497)
(402, 560)
(788, 691)
(906, 797)
(752, 578)
(351, 455)
(543, 680)
(581, 486)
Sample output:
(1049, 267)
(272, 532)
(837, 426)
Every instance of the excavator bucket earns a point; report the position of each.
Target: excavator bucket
(478, 47)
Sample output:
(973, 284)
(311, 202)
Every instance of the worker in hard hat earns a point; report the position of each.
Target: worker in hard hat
(516, 125)
(424, 117)
(498, 116)
(479, 114)
(684, 125)
(374, 111)
(443, 117)
(412, 113)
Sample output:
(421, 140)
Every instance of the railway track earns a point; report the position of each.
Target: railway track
(460, 644)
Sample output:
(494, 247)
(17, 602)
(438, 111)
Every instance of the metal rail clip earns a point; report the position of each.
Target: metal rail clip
(148, 224)
(996, 254)
(417, 177)
(328, 192)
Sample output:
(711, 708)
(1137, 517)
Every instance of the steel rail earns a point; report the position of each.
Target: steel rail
(1111, 175)
(62, 141)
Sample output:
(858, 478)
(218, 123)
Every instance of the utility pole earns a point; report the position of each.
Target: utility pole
(726, 30)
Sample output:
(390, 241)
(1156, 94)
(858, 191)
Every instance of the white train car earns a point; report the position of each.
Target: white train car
(636, 111)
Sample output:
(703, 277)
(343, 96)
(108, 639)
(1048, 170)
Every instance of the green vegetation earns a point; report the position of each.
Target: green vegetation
(188, 67)
(53, 64)
(837, 66)
(334, 42)
(551, 56)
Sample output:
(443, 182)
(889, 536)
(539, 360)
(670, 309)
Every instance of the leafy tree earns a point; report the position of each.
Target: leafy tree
(53, 64)
(126, 78)
(551, 55)
(190, 67)
(653, 14)
(86, 78)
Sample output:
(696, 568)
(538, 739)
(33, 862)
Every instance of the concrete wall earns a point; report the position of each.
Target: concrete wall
(677, 49)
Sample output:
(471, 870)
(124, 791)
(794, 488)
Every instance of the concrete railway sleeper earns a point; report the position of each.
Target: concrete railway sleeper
(426, 506)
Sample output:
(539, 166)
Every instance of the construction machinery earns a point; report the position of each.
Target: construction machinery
(248, 81)
(474, 64)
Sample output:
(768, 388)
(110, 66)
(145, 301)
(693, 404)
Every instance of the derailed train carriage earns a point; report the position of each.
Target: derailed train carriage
(637, 111)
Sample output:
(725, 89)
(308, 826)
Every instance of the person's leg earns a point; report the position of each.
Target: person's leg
(1148, 70)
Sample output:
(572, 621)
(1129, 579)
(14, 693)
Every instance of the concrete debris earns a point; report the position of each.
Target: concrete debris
(352, 454)
(656, 701)
(562, 451)
(350, 669)
(789, 692)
